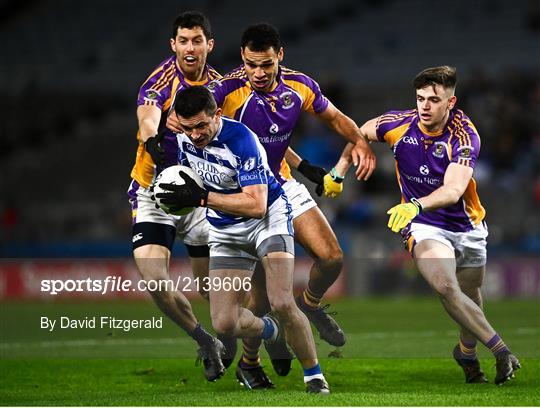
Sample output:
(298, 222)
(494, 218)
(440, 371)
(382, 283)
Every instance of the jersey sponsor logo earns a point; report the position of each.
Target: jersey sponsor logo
(137, 237)
(286, 100)
(410, 140)
(439, 149)
(464, 152)
(275, 139)
(249, 164)
(249, 177)
(211, 174)
(226, 178)
(432, 181)
(274, 128)
(424, 169)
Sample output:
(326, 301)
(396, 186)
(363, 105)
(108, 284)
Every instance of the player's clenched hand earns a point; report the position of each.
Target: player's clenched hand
(173, 123)
(333, 184)
(401, 215)
(364, 158)
(182, 196)
(313, 173)
(153, 147)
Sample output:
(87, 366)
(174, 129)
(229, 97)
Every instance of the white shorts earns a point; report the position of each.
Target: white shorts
(192, 228)
(242, 240)
(469, 247)
(299, 197)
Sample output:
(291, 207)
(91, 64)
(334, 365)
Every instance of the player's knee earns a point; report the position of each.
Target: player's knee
(332, 257)
(153, 270)
(282, 307)
(224, 325)
(446, 289)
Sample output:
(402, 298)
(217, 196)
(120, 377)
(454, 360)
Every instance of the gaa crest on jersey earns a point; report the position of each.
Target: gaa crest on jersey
(410, 140)
(286, 100)
(249, 164)
(439, 149)
(424, 169)
(464, 152)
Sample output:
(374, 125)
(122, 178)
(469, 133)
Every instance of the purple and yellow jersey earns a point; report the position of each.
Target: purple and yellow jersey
(159, 90)
(271, 116)
(422, 158)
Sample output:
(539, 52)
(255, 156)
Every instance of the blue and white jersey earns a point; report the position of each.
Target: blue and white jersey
(232, 160)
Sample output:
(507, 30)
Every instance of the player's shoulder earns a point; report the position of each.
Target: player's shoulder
(291, 75)
(213, 74)
(461, 125)
(166, 67)
(397, 117)
(234, 130)
(233, 80)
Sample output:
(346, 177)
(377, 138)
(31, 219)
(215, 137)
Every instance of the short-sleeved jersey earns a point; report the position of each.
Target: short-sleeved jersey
(159, 90)
(271, 115)
(232, 160)
(422, 158)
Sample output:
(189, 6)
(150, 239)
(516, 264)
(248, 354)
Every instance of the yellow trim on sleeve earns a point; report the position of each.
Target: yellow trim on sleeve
(308, 96)
(473, 207)
(235, 100)
(392, 136)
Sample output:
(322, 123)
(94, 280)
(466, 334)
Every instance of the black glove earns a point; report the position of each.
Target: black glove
(153, 147)
(313, 173)
(184, 196)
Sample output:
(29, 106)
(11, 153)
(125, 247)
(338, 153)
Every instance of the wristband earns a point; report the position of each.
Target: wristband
(417, 204)
(335, 176)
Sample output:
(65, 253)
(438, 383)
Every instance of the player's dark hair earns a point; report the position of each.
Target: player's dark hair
(261, 37)
(444, 75)
(194, 100)
(192, 19)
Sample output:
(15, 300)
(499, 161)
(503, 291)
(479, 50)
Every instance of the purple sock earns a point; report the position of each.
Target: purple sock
(467, 349)
(497, 346)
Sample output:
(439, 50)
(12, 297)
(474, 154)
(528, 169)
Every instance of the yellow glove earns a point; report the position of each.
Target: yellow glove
(333, 184)
(402, 214)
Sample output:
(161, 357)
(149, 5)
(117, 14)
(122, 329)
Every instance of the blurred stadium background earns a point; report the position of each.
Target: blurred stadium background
(69, 75)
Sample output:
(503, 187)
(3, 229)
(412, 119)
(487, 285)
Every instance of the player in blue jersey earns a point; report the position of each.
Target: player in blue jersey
(154, 231)
(435, 147)
(270, 98)
(250, 221)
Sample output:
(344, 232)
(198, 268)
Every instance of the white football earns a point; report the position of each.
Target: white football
(171, 176)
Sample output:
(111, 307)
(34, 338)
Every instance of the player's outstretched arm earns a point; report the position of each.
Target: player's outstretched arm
(312, 172)
(333, 180)
(456, 180)
(251, 202)
(361, 153)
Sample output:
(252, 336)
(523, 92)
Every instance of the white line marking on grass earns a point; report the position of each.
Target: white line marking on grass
(179, 340)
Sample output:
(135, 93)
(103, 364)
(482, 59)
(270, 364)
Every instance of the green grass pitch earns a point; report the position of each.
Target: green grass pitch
(398, 352)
